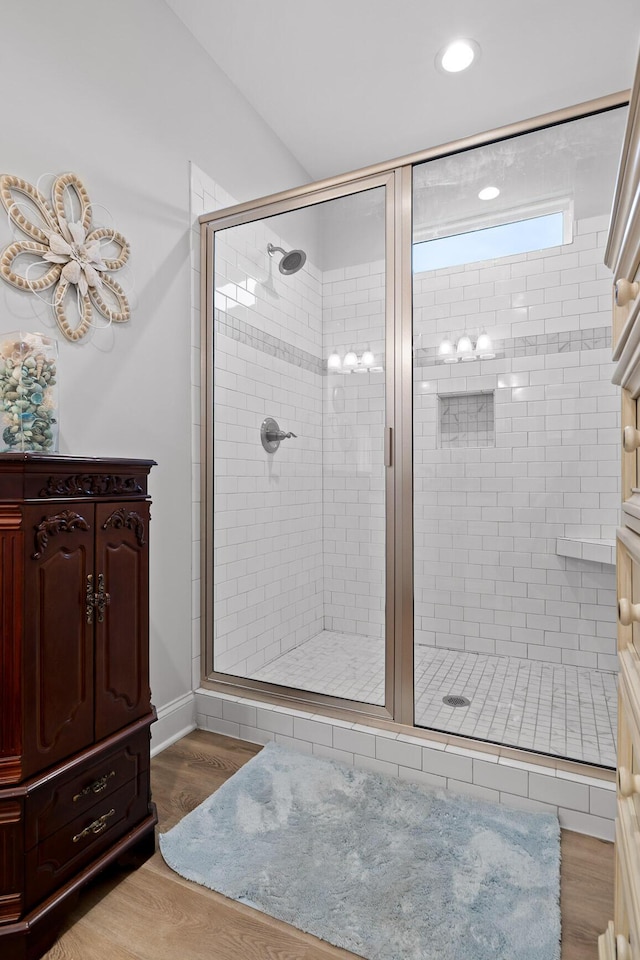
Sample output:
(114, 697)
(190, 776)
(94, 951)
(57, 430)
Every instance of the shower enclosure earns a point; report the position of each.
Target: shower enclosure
(411, 441)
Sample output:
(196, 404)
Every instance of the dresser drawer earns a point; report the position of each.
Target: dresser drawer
(70, 794)
(628, 868)
(74, 845)
(626, 308)
(612, 946)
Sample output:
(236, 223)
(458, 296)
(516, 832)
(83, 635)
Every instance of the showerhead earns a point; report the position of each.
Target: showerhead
(291, 262)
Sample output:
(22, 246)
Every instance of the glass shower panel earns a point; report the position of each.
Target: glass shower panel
(299, 476)
(516, 431)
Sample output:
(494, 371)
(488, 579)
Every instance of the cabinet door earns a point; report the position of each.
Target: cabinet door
(58, 640)
(122, 616)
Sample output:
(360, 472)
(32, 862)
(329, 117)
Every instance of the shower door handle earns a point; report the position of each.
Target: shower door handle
(388, 455)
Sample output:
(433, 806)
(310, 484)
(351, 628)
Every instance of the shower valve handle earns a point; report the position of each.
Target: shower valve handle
(280, 435)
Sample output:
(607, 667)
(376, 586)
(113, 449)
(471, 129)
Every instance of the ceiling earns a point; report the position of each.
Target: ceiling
(348, 83)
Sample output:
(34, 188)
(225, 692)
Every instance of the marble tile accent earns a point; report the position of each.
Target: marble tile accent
(251, 336)
(467, 420)
(569, 341)
(551, 708)
(556, 709)
(339, 664)
(597, 551)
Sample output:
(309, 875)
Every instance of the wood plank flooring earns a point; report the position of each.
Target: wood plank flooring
(153, 914)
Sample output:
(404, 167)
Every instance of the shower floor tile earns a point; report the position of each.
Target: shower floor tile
(340, 664)
(561, 710)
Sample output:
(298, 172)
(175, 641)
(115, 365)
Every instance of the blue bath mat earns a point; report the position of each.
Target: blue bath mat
(383, 868)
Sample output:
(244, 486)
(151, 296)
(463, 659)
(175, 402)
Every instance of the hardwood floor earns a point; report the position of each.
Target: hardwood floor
(153, 914)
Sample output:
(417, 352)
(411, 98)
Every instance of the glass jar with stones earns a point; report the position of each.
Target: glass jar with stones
(28, 392)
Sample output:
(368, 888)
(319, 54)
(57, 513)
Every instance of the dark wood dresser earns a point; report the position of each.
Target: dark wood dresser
(75, 706)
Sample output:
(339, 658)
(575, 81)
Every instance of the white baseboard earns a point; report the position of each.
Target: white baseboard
(175, 720)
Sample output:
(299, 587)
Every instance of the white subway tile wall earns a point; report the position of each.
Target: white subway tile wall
(268, 574)
(353, 473)
(488, 578)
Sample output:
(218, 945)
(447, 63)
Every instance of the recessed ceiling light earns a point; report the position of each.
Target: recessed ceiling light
(489, 193)
(457, 56)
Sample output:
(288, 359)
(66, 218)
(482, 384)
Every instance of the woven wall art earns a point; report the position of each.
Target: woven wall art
(64, 253)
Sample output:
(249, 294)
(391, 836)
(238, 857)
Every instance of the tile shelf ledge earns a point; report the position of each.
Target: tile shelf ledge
(581, 548)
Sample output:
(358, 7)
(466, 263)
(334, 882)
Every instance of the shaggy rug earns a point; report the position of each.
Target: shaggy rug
(381, 867)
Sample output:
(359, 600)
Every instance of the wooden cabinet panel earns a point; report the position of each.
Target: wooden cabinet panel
(75, 705)
(122, 627)
(11, 862)
(63, 853)
(58, 666)
(622, 256)
(11, 626)
(71, 794)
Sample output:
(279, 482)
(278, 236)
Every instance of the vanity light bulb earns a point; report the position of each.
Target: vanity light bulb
(447, 351)
(464, 349)
(484, 347)
(350, 360)
(334, 362)
(368, 359)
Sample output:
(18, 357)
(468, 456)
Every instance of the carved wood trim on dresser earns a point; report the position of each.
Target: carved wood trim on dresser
(75, 704)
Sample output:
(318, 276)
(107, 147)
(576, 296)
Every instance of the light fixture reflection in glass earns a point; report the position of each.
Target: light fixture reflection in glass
(334, 362)
(447, 351)
(464, 349)
(350, 360)
(489, 193)
(367, 359)
(484, 347)
(457, 56)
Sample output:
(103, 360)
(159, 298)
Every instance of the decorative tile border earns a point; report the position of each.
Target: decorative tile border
(594, 338)
(252, 336)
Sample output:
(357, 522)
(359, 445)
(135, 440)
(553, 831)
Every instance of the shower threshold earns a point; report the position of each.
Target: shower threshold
(550, 708)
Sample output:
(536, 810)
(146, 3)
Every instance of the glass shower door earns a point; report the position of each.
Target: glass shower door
(299, 483)
(516, 434)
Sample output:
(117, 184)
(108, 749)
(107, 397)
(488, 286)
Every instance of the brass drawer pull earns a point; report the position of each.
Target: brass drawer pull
(625, 291)
(96, 787)
(89, 598)
(102, 598)
(630, 439)
(629, 782)
(623, 948)
(628, 612)
(98, 826)
(98, 600)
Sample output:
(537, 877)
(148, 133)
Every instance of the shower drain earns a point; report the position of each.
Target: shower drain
(452, 700)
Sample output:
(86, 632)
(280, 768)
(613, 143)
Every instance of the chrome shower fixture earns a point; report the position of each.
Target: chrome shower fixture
(291, 262)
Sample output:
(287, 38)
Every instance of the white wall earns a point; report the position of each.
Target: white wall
(124, 96)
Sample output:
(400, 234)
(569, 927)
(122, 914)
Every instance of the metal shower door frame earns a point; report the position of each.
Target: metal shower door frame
(398, 615)
(397, 176)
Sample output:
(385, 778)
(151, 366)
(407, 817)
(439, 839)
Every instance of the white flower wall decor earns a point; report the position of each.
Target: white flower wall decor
(64, 253)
